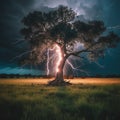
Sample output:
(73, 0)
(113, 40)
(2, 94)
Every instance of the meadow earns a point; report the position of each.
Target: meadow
(37, 101)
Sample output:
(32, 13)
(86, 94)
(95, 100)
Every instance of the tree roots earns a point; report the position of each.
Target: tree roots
(58, 83)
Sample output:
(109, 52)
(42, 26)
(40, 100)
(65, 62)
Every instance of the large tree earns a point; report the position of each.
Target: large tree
(59, 28)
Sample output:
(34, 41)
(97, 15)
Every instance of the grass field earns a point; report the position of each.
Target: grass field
(32, 99)
(36, 81)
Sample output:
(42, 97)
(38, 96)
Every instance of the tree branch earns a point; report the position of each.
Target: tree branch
(79, 56)
(85, 50)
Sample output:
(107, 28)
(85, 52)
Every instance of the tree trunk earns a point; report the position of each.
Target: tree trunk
(59, 79)
(59, 74)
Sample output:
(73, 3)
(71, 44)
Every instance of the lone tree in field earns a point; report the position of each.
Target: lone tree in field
(58, 27)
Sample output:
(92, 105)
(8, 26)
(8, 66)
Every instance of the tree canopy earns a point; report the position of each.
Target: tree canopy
(43, 30)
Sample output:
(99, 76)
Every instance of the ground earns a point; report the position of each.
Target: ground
(43, 81)
(86, 99)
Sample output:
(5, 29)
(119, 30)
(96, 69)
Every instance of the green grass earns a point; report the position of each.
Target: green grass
(76, 102)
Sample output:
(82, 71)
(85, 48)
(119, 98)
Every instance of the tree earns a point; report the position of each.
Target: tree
(58, 27)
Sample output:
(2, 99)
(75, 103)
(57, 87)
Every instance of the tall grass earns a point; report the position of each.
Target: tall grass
(76, 102)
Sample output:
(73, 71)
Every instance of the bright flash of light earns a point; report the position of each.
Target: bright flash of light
(57, 50)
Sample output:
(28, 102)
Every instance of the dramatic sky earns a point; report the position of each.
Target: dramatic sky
(12, 43)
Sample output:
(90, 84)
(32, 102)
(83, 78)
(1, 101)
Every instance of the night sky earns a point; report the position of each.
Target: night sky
(12, 43)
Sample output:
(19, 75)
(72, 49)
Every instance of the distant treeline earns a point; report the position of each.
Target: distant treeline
(50, 76)
(22, 76)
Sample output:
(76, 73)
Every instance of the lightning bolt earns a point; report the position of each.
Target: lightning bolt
(114, 27)
(18, 56)
(48, 59)
(76, 68)
(57, 52)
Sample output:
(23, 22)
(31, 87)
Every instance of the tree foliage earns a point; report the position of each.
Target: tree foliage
(43, 30)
